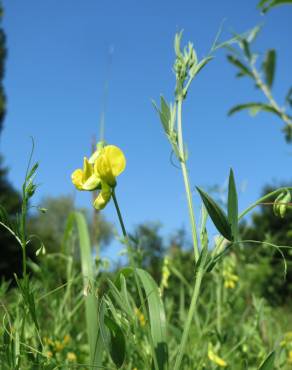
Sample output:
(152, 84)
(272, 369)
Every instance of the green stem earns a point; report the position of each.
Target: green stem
(188, 323)
(186, 180)
(219, 302)
(126, 238)
(124, 231)
(267, 92)
(23, 233)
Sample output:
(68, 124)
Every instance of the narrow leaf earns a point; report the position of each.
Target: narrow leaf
(288, 98)
(156, 317)
(269, 67)
(117, 342)
(197, 67)
(91, 306)
(268, 363)
(242, 67)
(253, 108)
(217, 215)
(233, 206)
(266, 5)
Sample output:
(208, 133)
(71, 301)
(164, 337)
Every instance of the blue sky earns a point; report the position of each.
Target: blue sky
(55, 73)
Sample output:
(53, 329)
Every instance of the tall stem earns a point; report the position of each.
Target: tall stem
(186, 179)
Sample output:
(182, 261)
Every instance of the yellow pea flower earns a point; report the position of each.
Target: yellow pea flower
(290, 357)
(100, 172)
(110, 163)
(215, 358)
(86, 178)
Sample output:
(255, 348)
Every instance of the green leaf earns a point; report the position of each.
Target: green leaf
(269, 67)
(268, 363)
(252, 34)
(266, 5)
(262, 3)
(117, 346)
(32, 171)
(156, 317)
(91, 304)
(217, 215)
(164, 114)
(233, 205)
(288, 98)
(246, 49)
(244, 70)
(253, 108)
(197, 67)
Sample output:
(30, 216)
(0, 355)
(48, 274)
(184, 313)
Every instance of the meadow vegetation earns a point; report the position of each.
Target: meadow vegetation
(182, 303)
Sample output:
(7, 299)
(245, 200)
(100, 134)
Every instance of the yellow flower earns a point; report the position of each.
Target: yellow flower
(140, 317)
(59, 346)
(71, 356)
(86, 178)
(100, 172)
(215, 358)
(290, 357)
(66, 339)
(49, 354)
(110, 163)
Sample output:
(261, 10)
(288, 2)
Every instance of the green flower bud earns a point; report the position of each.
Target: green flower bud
(281, 203)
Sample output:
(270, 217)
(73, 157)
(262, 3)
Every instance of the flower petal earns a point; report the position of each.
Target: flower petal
(76, 178)
(87, 169)
(116, 159)
(92, 182)
(102, 168)
(103, 197)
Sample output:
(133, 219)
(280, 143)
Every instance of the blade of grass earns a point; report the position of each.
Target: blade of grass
(91, 303)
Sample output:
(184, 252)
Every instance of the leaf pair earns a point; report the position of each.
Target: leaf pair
(227, 225)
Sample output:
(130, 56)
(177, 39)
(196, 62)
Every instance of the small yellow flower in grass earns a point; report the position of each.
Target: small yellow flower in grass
(59, 346)
(49, 354)
(85, 179)
(290, 357)
(71, 357)
(66, 339)
(140, 317)
(215, 358)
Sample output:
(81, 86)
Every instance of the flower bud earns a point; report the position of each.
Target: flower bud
(282, 203)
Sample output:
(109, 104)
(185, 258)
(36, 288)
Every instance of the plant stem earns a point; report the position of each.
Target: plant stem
(23, 231)
(219, 301)
(267, 92)
(186, 179)
(187, 325)
(126, 237)
(124, 231)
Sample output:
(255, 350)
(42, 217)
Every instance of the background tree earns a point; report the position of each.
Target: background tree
(10, 256)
